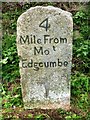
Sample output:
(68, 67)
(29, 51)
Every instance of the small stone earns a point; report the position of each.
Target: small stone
(44, 44)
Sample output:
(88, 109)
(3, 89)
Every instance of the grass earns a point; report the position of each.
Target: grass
(12, 104)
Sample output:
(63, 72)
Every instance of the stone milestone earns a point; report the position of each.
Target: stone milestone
(44, 44)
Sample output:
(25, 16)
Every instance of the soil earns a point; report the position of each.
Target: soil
(22, 114)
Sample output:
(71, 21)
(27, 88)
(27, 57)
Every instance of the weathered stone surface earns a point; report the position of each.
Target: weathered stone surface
(44, 43)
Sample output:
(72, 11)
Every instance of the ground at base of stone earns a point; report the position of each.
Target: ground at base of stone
(22, 114)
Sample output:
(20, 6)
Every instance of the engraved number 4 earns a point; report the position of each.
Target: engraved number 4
(44, 24)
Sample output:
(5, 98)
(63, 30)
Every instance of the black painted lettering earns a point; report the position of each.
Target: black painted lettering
(24, 65)
(54, 48)
(63, 40)
(50, 40)
(59, 63)
(34, 39)
(39, 41)
(38, 50)
(44, 24)
(65, 63)
(24, 40)
(36, 66)
(46, 39)
(30, 64)
(56, 40)
(46, 52)
(52, 64)
(31, 39)
(46, 64)
(40, 64)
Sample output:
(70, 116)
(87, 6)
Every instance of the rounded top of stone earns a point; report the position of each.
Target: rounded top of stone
(49, 8)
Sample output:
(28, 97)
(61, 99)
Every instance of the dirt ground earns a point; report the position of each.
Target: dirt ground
(22, 114)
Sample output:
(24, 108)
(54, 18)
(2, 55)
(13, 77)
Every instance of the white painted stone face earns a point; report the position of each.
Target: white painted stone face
(44, 44)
